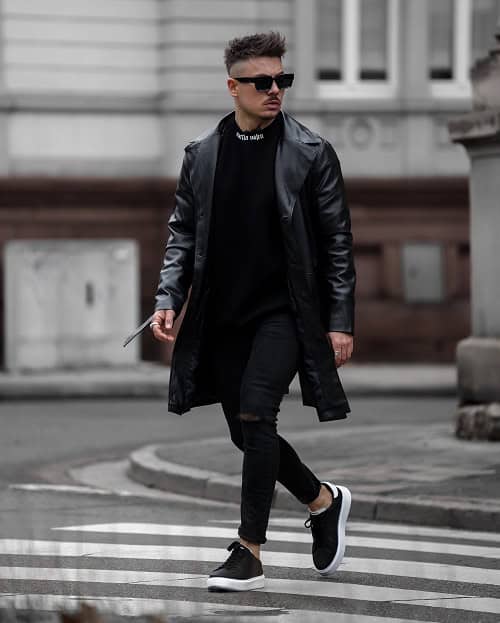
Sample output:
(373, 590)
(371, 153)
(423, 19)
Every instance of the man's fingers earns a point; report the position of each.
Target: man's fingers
(162, 324)
(169, 318)
(341, 358)
(342, 348)
(161, 335)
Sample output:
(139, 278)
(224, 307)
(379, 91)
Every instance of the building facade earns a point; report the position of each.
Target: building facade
(98, 99)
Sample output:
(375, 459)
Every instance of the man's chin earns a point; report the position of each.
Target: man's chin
(270, 113)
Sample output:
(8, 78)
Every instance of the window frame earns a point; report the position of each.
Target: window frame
(460, 85)
(351, 86)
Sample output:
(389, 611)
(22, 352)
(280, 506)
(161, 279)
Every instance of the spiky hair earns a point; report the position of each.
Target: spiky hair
(261, 44)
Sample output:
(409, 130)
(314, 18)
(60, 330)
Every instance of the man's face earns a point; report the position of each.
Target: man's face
(262, 104)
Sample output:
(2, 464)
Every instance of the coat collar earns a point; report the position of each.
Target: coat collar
(293, 131)
(295, 154)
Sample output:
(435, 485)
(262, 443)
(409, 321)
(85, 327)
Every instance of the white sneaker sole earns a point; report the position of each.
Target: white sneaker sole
(229, 584)
(344, 513)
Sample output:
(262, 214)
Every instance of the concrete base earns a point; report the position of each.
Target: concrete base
(478, 366)
(479, 422)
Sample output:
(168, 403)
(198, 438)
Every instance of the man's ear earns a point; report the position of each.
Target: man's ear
(232, 86)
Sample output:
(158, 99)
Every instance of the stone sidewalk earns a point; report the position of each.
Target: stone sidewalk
(405, 472)
(147, 379)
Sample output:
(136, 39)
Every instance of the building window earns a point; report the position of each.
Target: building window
(329, 29)
(460, 32)
(485, 16)
(373, 61)
(441, 39)
(356, 47)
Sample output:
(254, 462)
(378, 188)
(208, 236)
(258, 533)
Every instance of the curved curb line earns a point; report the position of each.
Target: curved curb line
(146, 468)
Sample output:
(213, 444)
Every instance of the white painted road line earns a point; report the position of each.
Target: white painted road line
(432, 547)
(63, 488)
(317, 588)
(409, 530)
(27, 547)
(138, 606)
(165, 544)
(429, 571)
(422, 570)
(475, 604)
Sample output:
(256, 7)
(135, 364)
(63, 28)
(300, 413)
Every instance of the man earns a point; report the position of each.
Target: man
(261, 232)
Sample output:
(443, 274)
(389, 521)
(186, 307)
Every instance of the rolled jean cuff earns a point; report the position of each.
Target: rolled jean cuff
(307, 501)
(252, 539)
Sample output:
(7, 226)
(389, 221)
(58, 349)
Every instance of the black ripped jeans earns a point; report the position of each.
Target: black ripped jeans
(253, 367)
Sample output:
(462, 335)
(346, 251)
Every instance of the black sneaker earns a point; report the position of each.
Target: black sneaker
(328, 531)
(242, 571)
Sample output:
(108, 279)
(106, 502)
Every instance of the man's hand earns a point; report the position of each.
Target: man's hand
(342, 344)
(163, 331)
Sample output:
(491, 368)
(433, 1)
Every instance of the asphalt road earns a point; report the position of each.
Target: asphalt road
(36, 434)
(140, 554)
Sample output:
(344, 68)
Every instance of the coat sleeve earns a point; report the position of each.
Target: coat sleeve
(177, 269)
(335, 240)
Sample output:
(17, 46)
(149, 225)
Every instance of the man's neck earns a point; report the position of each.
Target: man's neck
(248, 124)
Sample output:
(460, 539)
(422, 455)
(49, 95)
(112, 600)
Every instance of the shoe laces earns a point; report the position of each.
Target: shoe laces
(313, 522)
(237, 553)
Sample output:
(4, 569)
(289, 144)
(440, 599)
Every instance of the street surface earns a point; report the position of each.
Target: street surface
(61, 542)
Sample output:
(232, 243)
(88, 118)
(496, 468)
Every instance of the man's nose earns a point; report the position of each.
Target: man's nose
(274, 88)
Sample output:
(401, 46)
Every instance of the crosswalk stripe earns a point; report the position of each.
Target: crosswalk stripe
(63, 488)
(437, 586)
(422, 570)
(386, 528)
(142, 606)
(433, 547)
(27, 547)
(429, 571)
(358, 592)
(476, 604)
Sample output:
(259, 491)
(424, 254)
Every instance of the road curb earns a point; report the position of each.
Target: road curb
(148, 469)
(151, 380)
(144, 380)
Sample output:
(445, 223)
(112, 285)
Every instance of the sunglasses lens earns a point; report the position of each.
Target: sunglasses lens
(263, 83)
(284, 81)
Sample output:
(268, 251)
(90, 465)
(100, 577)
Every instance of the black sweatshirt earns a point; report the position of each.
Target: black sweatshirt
(247, 267)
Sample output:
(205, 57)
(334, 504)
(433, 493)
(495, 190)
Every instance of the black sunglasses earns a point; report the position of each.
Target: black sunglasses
(264, 83)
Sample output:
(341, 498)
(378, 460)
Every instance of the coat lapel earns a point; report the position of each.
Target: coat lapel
(294, 157)
(203, 173)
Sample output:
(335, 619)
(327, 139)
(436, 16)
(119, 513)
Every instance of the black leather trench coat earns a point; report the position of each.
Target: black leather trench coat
(316, 229)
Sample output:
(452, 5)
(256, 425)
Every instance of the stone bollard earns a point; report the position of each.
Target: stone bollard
(480, 422)
(492, 430)
(478, 356)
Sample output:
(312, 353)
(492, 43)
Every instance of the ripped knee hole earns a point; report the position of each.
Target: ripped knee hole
(249, 417)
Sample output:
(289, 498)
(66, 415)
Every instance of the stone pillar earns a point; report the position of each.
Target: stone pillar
(4, 107)
(304, 64)
(478, 356)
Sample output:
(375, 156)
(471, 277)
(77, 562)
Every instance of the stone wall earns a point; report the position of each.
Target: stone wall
(385, 215)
